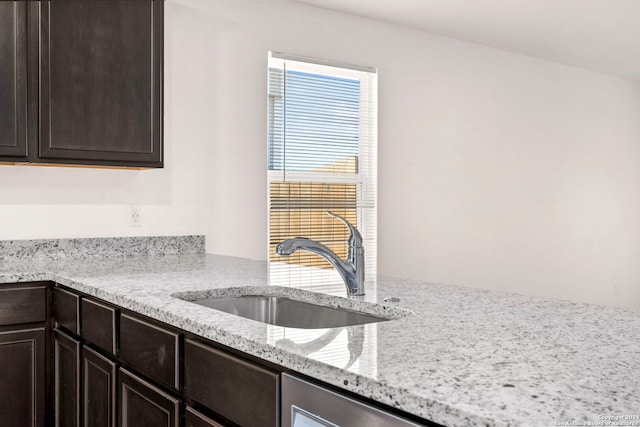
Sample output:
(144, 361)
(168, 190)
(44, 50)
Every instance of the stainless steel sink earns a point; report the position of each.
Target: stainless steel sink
(284, 311)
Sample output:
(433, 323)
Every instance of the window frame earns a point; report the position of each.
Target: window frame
(367, 155)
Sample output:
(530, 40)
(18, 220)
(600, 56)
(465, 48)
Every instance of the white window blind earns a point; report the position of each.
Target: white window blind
(322, 146)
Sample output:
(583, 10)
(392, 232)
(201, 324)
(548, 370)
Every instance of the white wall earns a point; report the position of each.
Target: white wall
(497, 170)
(52, 202)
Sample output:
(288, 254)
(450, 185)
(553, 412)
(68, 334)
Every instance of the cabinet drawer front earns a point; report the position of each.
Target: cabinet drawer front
(23, 304)
(193, 418)
(66, 307)
(150, 349)
(142, 404)
(99, 325)
(239, 390)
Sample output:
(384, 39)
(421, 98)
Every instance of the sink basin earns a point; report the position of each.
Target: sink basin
(284, 311)
(293, 307)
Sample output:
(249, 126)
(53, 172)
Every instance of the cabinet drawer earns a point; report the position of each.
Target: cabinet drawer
(237, 389)
(152, 350)
(193, 418)
(99, 325)
(25, 303)
(66, 309)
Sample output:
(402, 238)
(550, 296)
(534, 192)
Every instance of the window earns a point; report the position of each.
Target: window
(321, 157)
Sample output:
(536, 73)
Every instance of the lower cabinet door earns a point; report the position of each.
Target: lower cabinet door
(99, 390)
(22, 386)
(66, 380)
(143, 405)
(193, 418)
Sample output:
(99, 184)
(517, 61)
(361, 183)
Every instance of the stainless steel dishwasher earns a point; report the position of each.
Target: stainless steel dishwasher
(305, 404)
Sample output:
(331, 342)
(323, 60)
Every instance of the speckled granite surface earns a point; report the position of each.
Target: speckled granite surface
(466, 357)
(114, 247)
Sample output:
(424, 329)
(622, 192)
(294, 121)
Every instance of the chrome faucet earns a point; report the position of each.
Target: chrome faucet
(351, 269)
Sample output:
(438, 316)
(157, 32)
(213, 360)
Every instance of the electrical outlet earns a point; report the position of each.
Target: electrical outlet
(135, 216)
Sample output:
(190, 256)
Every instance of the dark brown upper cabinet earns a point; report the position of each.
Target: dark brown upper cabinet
(81, 82)
(100, 81)
(13, 81)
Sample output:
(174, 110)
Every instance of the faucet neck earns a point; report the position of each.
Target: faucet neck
(351, 270)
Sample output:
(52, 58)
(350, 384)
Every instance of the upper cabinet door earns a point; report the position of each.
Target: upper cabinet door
(100, 82)
(13, 80)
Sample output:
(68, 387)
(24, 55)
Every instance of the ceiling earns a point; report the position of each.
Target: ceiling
(599, 35)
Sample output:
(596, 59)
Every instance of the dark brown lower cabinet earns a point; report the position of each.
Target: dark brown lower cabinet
(70, 360)
(22, 378)
(99, 390)
(66, 380)
(141, 404)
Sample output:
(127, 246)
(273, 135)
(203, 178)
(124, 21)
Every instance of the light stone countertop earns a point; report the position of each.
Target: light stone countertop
(466, 358)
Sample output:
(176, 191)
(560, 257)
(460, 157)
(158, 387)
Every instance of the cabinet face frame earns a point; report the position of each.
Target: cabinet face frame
(43, 148)
(13, 145)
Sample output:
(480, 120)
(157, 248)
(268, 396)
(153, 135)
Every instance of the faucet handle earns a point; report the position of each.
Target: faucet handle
(355, 238)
